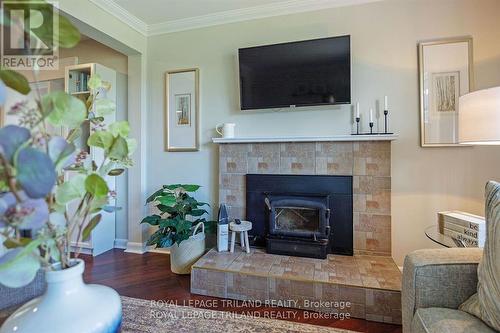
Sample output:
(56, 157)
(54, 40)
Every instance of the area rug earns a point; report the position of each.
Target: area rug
(150, 316)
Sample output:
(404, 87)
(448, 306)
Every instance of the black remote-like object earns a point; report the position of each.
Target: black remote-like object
(237, 221)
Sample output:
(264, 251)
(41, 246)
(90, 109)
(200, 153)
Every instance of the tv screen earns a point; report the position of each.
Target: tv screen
(304, 73)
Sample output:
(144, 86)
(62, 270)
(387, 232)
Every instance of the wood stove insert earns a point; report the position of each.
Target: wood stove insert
(301, 215)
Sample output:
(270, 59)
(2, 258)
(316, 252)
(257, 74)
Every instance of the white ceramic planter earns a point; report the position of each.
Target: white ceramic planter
(68, 305)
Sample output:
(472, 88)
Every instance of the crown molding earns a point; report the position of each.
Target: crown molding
(224, 17)
(250, 13)
(122, 14)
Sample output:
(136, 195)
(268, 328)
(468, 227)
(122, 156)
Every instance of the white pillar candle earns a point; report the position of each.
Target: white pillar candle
(386, 106)
(371, 115)
(357, 110)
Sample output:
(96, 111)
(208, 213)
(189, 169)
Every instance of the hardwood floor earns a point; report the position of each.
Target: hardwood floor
(149, 277)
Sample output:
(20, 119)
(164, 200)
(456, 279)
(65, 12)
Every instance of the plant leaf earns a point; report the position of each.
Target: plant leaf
(11, 138)
(10, 244)
(186, 187)
(7, 200)
(154, 195)
(74, 134)
(14, 80)
(120, 128)
(167, 209)
(97, 204)
(35, 172)
(116, 172)
(111, 209)
(101, 139)
(16, 273)
(119, 149)
(95, 82)
(64, 109)
(90, 226)
(73, 188)
(54, 252)
(104, 107)
(61, 152)
(197, 212)
(96, 185)
(167, 200)
(39, 214)
(67, 36)
(152, 220)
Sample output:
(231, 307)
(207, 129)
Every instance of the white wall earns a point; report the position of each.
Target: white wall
(384, 53)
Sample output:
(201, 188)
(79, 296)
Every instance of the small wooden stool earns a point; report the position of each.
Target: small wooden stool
(243, 230)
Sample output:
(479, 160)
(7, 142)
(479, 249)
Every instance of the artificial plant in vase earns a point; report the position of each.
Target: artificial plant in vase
(180, 217)
(41, 174)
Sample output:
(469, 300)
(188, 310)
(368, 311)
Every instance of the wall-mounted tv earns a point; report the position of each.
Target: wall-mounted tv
(303, 73)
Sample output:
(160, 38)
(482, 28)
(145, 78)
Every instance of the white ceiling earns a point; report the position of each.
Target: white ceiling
(158, 11)
(153, 17)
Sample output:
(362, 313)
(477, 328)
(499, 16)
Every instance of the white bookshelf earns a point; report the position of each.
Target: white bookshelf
(103, 236)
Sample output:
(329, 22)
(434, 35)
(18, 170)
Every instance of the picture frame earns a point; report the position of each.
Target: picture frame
(182, 120)
(445, 74)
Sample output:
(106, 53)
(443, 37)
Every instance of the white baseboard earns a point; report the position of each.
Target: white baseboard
(120, 243)
(133, 247)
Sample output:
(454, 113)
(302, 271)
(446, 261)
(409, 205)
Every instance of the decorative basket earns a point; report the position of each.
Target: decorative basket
(183, 256)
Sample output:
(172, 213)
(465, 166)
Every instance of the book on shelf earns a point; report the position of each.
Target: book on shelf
(468, 228)
(466, 240)
(471, 221)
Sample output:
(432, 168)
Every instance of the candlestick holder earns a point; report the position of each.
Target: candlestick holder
(386, 112)
(357, 125)
(371, 127)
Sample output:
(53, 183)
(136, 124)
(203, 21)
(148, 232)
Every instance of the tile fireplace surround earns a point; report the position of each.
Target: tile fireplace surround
(366, 158)
(369, 281)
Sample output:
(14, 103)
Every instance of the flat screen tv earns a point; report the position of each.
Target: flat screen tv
(304, 73)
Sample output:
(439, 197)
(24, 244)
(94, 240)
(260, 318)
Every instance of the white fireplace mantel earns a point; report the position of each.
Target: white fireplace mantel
(332, 138)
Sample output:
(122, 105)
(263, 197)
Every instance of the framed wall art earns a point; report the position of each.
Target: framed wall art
(445, 73)
(182, 110)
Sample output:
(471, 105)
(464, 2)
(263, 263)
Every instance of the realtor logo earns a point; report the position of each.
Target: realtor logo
(28, 33)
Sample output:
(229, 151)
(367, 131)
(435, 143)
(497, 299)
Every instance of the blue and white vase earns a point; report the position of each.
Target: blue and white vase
(68, 305)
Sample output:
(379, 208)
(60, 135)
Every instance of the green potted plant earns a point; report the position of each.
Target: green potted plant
(179, 220)
(36, 189)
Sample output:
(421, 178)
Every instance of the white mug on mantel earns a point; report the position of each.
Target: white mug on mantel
(226, 130)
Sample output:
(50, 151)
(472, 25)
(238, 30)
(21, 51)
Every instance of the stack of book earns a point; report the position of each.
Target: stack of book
(468, 229)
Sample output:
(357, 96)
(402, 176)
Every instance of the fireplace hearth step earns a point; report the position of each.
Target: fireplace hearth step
(370, 284)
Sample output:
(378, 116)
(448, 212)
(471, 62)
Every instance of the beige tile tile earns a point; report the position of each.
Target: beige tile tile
(216, 260)
(233, 158)
(235, 212)
(382, 305)
(247, 287)
(264, 158)
(231, 181)
(255, 263)
(334, 158)
(235, 198)
(297, 158)
(378, 202)
(370, 184)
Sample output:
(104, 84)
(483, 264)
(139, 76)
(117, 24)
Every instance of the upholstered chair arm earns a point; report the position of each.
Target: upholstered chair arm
(438, 278)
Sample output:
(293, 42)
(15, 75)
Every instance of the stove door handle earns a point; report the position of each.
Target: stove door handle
(327, 214)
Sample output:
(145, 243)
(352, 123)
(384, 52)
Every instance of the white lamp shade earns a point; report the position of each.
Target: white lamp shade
(479, 117)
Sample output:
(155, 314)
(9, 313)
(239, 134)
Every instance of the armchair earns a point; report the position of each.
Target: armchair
(435, 283)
